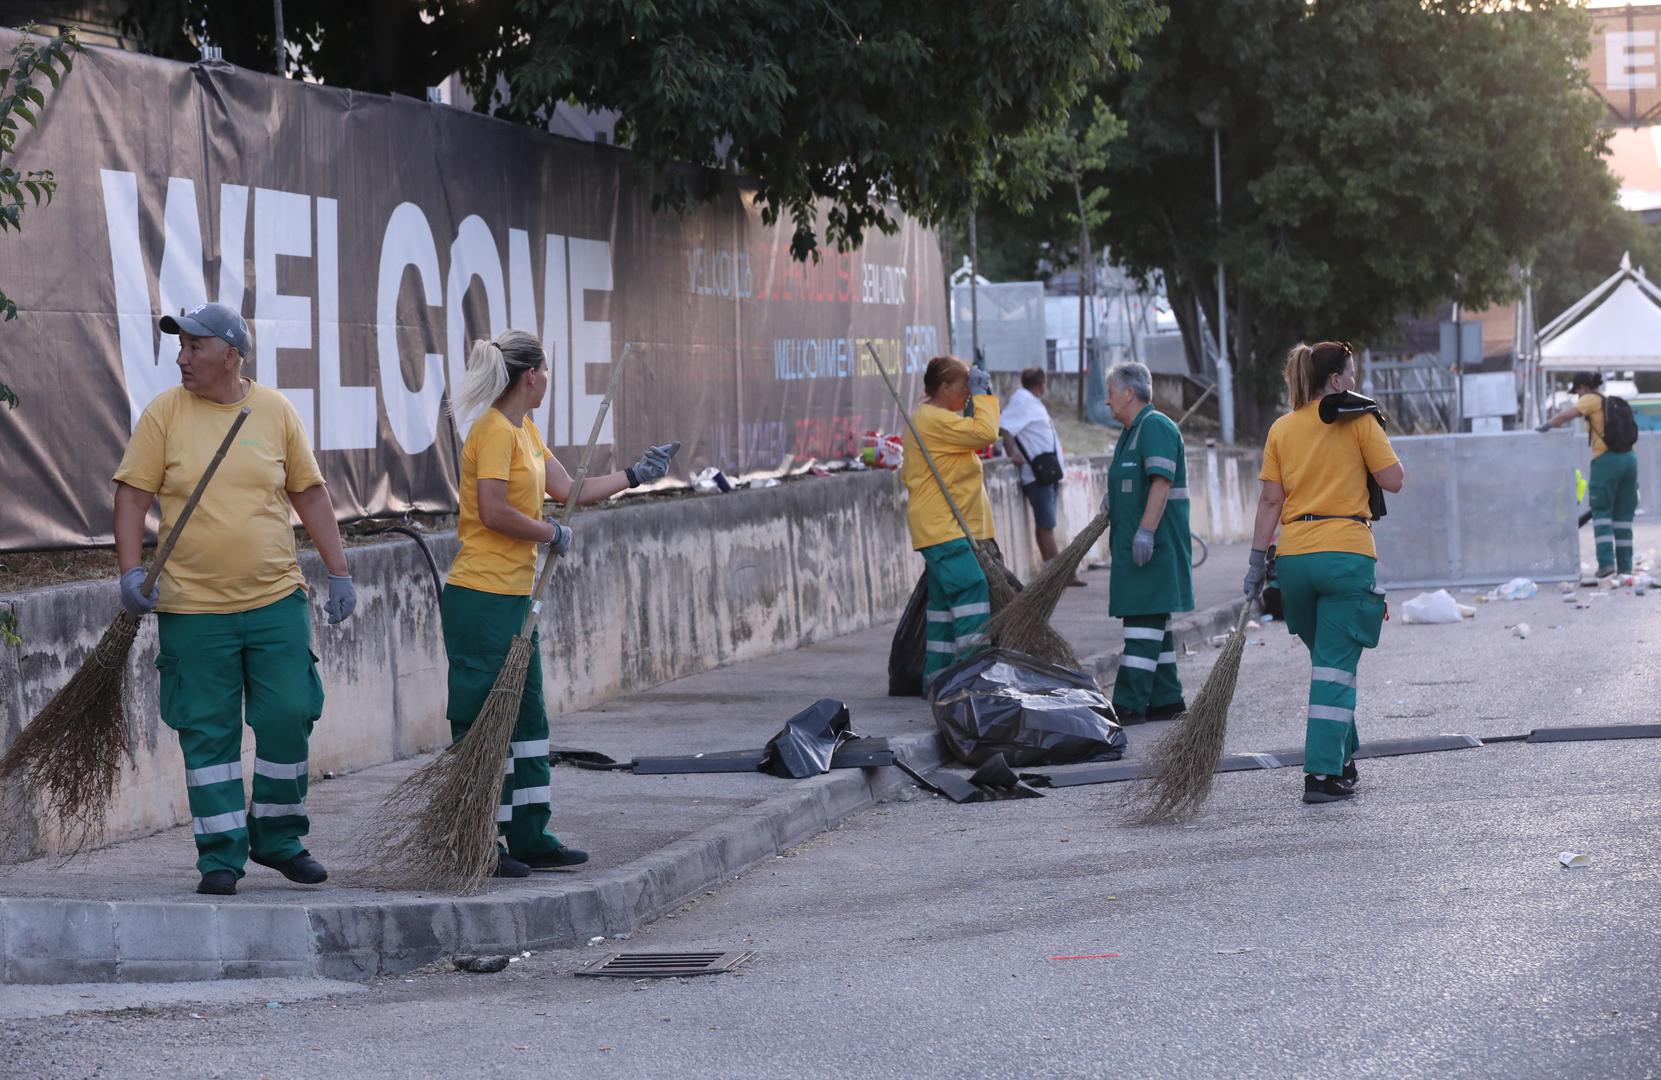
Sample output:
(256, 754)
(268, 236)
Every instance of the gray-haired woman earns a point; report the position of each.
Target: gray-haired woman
(506, 471)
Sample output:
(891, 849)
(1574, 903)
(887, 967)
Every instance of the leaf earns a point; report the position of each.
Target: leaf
(26, 114)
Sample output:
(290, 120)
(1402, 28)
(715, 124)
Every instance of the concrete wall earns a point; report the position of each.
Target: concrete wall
(653, 591)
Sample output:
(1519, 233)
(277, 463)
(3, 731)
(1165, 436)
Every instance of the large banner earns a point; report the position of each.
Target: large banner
(369, 241)
(1625, 64)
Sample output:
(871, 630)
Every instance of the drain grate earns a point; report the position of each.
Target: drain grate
(650, 965)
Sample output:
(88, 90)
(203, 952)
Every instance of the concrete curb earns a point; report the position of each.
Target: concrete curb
(1191, 629)
(51, 940)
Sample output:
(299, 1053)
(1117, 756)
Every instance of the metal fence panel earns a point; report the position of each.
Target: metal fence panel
(1482, 509)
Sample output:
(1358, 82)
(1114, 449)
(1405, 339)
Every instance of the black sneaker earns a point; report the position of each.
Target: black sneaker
(1350, 777)
(1126, 718)
(509, 867)
(217, 883)
(1320, 789)
(302, 869)
(556, 859)
(1167, 712)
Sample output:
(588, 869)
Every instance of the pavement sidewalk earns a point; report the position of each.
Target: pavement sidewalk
(128, 912)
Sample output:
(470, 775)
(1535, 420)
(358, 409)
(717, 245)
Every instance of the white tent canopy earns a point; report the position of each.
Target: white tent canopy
(1616, 325)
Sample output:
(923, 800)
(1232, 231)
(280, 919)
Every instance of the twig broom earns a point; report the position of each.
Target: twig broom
(1184, 762)
(437, 829)
(70, 755)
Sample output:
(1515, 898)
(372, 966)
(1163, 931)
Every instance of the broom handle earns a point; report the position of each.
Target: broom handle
(576, 489)
(962, 523)
(190, 504)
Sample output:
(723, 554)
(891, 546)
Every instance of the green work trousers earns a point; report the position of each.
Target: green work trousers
(1333, 603)
(479, 627)
(1613, 494)
(1147, 676)
(217, 670)
(959, 606)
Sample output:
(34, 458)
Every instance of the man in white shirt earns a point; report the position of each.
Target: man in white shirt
(1030, 439)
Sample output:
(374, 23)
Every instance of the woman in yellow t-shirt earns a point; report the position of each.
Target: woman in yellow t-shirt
(959, 603)
(506, 472)
(1316, 464)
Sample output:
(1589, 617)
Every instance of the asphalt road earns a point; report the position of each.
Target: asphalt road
(1424, 929)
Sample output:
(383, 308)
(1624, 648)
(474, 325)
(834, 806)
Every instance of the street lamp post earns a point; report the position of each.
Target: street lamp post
(1225, 364)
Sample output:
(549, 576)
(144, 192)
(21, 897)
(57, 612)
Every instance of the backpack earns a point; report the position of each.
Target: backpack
(1620, 427)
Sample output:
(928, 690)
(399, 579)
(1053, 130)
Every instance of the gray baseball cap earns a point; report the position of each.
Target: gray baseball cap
(211, 320)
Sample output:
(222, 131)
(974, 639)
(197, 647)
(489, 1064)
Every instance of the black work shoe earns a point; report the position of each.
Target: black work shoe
(302, 869)
(217, 883)
(1167, 712)
(554, 860)
(509, 867)
(1126, 718)
(1320, 789)
(1350, 777)
(1605, 572)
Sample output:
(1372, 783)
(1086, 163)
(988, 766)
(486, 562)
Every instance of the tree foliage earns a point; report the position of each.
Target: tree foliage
(34, 61)
(1379, 159)
(865, 105)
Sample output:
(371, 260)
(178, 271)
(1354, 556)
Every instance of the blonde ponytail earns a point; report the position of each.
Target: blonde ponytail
(1310, 368)
(1300, 368)
(492, 369)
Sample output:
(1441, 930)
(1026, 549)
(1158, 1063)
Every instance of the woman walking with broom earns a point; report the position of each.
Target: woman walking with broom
(1316, 466)
(506, 471)
(958, 416)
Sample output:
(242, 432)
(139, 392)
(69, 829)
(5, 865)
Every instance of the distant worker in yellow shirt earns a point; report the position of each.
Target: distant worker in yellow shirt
(1613, 432)
(1317, 465)
(957, 417)
(506, 473)
(232, 614)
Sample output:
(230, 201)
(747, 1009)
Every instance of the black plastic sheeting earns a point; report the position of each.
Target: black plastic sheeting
(905, 654)
(1033, 713)
(809, 740)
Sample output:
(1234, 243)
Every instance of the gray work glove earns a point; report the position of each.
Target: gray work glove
(1141, 547)
(1545, 427)
(653, 465)
(980, 381)
(1254, 572)
(134, 602)
(343, 598)
(562, 538)
(1107, 501)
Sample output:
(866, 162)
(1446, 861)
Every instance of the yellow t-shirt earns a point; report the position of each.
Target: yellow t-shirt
(1324, 469)
(237, 551)
(496, 450)
(952, 439)
(1591, 407)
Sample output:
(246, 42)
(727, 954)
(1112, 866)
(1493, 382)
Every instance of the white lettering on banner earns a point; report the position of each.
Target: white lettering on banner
(282, 226)
(555, 325)
(922, 344)
(590, 262)
(345, 414)
(473, 254)
(412, 413)
(182, 284)
(1629, 59)
(812, 358)
(882, 283)
(719, 272)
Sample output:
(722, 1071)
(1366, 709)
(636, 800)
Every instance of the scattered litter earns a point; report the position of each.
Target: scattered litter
(197, 1016)
(597, 939)
(1253, 624)
(1522, 630)
(1236, 952)
(1432, 608)
(1089, 956)
(764, 482)
(1574, 860)
(711, 479)
(1579, 690)
(1566, 587)
(480, 965)
(1516, 589)
(808, 741)
(1572, 597)
(1267, 619)
(273, 1004)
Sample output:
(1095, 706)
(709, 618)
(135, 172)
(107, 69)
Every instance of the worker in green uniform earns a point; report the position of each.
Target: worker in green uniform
(1315, 491)
(1613, 491)
(234, 624)
(506, 472)
(1152, 575)
(957, 417)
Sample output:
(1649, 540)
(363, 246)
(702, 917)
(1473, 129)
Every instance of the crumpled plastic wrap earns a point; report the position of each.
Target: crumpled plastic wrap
(1033, 713)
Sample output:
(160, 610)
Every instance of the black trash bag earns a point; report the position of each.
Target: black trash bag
(1006, 702)
(809, 740)
(905, 655)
